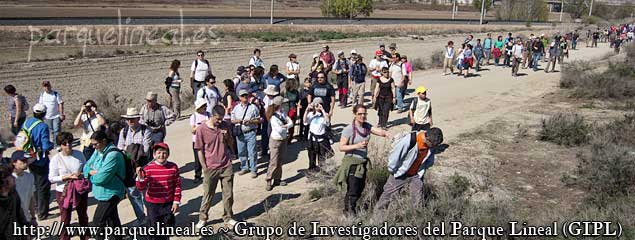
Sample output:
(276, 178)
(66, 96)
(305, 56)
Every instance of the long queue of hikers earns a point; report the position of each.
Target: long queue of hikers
(128, 157)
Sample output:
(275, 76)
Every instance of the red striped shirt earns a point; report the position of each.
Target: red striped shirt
(163, 183)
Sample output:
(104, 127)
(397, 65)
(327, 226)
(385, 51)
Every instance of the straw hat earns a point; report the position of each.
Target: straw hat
(199, 103)
(271, 90)
(131, 113)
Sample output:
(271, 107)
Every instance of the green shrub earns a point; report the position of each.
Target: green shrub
(458, 185)
(565, 129)
(346, 8)
(573, 72)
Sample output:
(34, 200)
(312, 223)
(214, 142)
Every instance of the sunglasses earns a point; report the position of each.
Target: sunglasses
(200, 55)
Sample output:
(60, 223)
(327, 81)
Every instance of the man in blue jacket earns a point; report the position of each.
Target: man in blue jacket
(407, 162)
(40, 167)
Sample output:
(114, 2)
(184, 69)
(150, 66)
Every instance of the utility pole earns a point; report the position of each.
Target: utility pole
(453, 9)
(561, 10)
(250, 3)
(352, 9)
(482, 10)
(271, 19)
(591, 8)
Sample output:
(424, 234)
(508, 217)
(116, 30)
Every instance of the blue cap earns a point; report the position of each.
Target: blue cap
(19, 155)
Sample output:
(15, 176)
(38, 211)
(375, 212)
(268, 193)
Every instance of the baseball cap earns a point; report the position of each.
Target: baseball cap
(339, 53)
(161, 145)
(39, 108)
(353, 51)
(19, 155)
(379, 53)
(278, 100)
(243, 92)
(421, 89)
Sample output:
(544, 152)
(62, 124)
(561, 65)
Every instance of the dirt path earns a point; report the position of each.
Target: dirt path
(460, 106)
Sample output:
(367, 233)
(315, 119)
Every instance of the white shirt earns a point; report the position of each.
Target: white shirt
(256, 61)
(72, 164)
(375, 64)
(52, 102)
(317, 123)
(210, 95)
(517, 51)
(201, 71)
(279, 130)
(293, 67)
(449, 52)
(397, 71)
(90, 125)
(25, 186)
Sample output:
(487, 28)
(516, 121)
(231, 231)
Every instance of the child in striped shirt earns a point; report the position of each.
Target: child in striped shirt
(162, 181)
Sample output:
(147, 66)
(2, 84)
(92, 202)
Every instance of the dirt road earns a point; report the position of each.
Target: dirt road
(460, 106)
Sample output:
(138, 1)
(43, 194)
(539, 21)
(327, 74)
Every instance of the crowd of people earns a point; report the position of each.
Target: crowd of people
(128, 157)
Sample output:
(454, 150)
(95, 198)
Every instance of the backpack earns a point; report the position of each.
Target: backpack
(413, 140)
(218, 99)
(23, 141)
(128, 180)
(206, 62)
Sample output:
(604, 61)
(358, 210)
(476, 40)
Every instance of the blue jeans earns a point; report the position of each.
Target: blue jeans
(574, 43)
(247, 150)
(535, 58)
(136, 200)
(54, 127)
(400, 93)
(478, 63)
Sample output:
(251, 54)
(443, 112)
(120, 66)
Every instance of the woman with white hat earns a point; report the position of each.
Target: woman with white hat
(199, 117)
(280, 125)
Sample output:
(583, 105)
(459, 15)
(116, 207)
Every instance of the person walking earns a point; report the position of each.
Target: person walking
(106, 170)
(517, 56)
(508, 54)
(351, 174)
(448, 59)
(407, 164)
(54, 108)
(280, 124)
(527, 52)
(319, 148)
(374, 68)
(420, 113)
(38, 133)
(255, 60)
(397, 71)
(384, 98)
(90, 121)
(554, 54)
(135, 140)
(246, 118)
(156, 117)
(24, 185)
(161, 181)
(209, 93)
(17, 107)
(460, 56)
(173, 84)
(497, 52)
(357, 79)
(327, 58)
(488, 43)
(468, 60)
(408, 67)
(478, 54)
(564, 49)
(196, 119)
(201, 71)
(293, 67)
(71, 191)
(341, 69)
(214, 156)
(537, 51)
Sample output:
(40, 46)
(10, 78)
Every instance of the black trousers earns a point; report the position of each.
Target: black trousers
(342, 88)
(304, 130)
(42, 189)
(198, 168)
(420, 127)
(355, 187)
(160, 213)
(384, 105)
(106, 214)
(88, 151)
(317, 152)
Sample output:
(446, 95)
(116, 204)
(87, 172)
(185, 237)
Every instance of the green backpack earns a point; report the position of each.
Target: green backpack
(23, 140)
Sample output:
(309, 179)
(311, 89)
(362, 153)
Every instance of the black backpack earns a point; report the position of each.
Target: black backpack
(128, 180)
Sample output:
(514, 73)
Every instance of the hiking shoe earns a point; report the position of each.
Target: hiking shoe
(254, 175)
(269, 187)
(200, 224)
(243, 172)
(282, 183)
